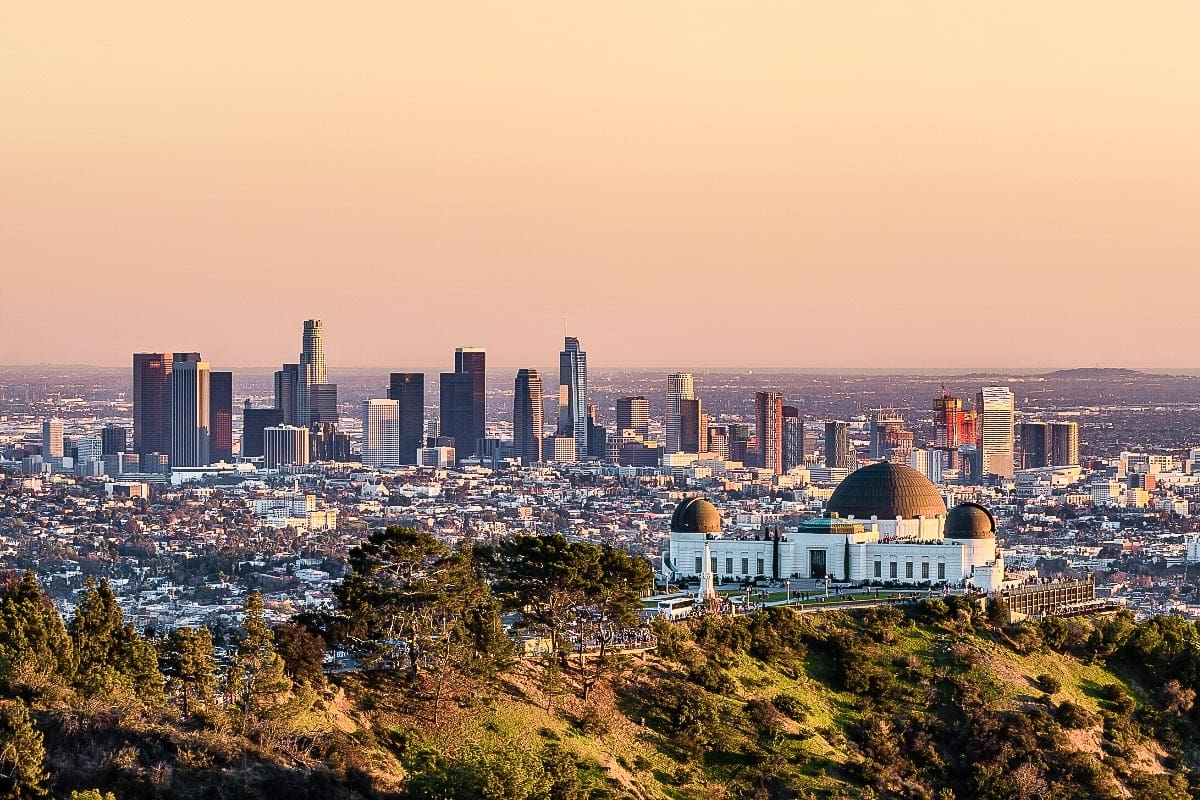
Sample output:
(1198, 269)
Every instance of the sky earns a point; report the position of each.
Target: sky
(690, 183)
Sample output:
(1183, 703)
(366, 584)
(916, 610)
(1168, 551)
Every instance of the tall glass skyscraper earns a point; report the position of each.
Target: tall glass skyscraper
(381, 433)
(768, 407)
(190, 419)
(996, 406)
(408, 389)
(461, 407)
(221, 416)
(311, 370)
(680, 386)
(572, 395)
(527, 416)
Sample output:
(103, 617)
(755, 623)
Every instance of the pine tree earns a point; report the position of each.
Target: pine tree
(36, 654)
(191, 669)
(22, 773)
(256, 680)
(113, 658)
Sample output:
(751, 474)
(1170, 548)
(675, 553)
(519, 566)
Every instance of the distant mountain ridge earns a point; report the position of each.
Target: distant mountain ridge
(1094, 372)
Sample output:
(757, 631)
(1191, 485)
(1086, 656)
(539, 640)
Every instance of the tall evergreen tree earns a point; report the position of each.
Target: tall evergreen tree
(36, 654)
(22, 754)
(256, 679)
(191, 669)
(112, 655)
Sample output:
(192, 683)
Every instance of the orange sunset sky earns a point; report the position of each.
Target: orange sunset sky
(695, 183)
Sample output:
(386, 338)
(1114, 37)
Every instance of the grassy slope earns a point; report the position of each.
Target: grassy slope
(608, 732)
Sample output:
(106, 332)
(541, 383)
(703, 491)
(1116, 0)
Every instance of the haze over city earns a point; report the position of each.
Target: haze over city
(694, 184)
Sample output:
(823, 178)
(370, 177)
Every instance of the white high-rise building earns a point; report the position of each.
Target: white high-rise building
(680, 386)
(381, 433)
(190, 419)
(285, 445)
(996, 406)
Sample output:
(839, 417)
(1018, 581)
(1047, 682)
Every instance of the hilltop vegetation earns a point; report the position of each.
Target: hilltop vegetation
(940, 700)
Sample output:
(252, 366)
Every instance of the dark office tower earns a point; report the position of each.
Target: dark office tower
(322, 404)
(768, 409)
(471, 361)
(1064, 444)
(633, 414)
(408, 389)
(527, 417)
(220, 399)
(693, 426)
(793, 438)
(113, 439)
(457, 411)
(191, 431)
(152, 402)
(597, 440)
(287, 382)
(839, 452)
(572, 395)
(254, 421)
(739, 442)
(1033, 445)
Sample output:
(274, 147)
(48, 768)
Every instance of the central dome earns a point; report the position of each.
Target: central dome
(887, 491)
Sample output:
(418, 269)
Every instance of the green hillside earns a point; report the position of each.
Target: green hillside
(940, 699)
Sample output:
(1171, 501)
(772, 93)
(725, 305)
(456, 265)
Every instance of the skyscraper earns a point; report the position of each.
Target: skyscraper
(381, 433)
(287, 381)
(152, 402)
(311, 369)
(408, 390)
(322, 404)
(839, 450)
(527, 417)
(1064, 444)
(768, 407)
(114, 439)
(52, 440)
(285, 445)
(220, 392)
(572, 395)
(633, 414)
(996, 406)
(1033, 439)
(693, 426)
(793, 438)
(463, 393)
(680, 386)
(254, 422)
(190, 414)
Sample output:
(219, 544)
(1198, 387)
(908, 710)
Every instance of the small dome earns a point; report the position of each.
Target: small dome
(887, 491)
(970, 521)
(696, 515)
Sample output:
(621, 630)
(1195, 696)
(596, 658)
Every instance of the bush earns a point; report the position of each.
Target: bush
(1073, 716)
(1049, 684)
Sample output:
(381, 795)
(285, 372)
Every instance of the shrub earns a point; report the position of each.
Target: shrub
(1049, 684)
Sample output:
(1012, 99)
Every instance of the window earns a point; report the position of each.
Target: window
(893, 570)
(878, 569)
(941, 570)
(729, 566)
(714, 565)
(924, 570)
(908, 569)
(699, 564)
(745, 566)
(760, 568)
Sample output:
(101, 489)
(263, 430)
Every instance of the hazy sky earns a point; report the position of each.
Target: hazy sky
(697, 184)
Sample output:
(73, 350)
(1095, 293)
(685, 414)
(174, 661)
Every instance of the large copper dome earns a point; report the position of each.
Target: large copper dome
(887, 491)
(696, 515)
